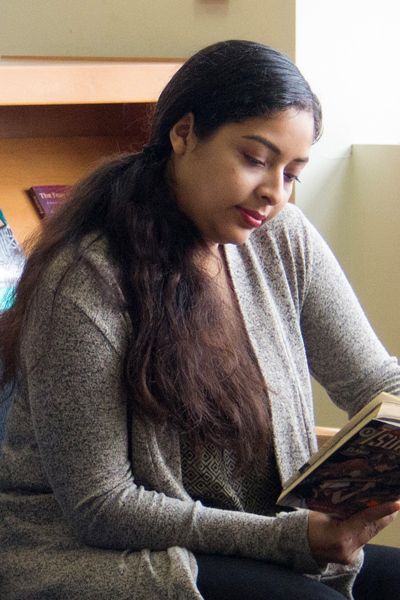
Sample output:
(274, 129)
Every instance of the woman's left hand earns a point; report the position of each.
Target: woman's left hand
(340, 541)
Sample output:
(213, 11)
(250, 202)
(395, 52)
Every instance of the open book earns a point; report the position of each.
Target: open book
(356, 468)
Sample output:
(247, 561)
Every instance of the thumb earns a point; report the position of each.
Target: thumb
(372, 520)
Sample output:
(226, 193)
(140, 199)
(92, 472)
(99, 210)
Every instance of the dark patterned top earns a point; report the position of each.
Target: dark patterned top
(211, 479)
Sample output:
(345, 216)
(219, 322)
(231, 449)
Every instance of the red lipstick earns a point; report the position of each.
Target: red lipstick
(251, 218)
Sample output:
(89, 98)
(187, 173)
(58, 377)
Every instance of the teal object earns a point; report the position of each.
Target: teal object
(12, 261)
(6, 297)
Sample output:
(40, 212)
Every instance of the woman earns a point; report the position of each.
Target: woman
(164, 331)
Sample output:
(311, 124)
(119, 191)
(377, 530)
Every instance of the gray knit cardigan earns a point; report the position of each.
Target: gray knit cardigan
(81, 519)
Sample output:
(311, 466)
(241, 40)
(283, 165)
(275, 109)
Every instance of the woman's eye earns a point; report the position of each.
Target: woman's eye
(290, 177)
(254, 161)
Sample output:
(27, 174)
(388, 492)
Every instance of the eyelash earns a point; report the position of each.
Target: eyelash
(259, 163)
(292, 178)
(254, 161)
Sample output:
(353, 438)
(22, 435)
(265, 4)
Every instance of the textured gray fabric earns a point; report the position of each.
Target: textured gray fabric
(80, 520)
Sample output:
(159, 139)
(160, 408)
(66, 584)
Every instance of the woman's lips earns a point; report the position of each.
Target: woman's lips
(251, 218)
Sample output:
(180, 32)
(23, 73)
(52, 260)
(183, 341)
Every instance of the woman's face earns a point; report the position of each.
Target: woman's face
(242, 175)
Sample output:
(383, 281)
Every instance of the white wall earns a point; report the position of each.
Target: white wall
(350, 50)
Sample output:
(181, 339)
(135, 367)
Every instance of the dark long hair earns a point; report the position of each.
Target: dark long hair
(182, 365)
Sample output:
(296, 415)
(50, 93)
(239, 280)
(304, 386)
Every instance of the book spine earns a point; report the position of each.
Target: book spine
(36, 202)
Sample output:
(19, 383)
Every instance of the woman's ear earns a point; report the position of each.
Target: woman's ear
(182, 135)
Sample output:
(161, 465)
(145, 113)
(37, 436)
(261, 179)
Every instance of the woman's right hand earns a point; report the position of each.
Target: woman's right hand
(340, 541)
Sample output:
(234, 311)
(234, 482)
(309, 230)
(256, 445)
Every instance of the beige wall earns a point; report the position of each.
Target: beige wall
(376, 237)
(175, 28)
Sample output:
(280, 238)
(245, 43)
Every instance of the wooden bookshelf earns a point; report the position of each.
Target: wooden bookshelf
(324, 434)
(58, 117)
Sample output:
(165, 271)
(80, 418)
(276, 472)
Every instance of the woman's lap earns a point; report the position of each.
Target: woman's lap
(238, 579)
(379, 578)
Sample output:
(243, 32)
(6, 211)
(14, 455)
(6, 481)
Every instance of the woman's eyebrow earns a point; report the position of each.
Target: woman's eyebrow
(271, 146)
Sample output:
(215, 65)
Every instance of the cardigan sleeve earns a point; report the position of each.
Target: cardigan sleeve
(80, 421)
(344, 353)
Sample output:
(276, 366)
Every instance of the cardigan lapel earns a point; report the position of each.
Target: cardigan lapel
(261, 301)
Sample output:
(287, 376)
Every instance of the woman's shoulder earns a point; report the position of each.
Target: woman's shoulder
(291, 219)
(81, 283)
(78, 267)
(85, 275)
(290, 232)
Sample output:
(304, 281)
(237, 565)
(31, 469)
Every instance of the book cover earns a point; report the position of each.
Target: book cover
(358, 468)
(12, 261)
(47, 198)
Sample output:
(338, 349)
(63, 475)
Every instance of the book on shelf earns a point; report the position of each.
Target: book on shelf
(47, 198)
(12, 261)
(357, 468)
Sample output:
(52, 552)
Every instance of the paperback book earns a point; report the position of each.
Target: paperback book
(47, 198)
(359, 467)
(12, 261)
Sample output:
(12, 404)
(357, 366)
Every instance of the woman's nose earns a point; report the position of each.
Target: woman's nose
(271, 189)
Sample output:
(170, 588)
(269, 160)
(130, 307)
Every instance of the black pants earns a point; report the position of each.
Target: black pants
(232, 578)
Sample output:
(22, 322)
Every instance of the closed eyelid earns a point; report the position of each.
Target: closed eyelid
(270, 146)
(254, 159)
(291, 177)
(257, 152)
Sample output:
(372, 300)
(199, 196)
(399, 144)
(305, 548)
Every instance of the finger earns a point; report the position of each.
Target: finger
(374, 513)
(369, 522)
(334, 540)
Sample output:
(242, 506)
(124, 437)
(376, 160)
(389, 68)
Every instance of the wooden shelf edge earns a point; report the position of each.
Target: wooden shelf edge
(41, 82)
(324, 434)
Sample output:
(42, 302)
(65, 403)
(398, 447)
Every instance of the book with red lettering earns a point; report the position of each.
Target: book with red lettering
(47, 198)
(12, 262)
(356, 468)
